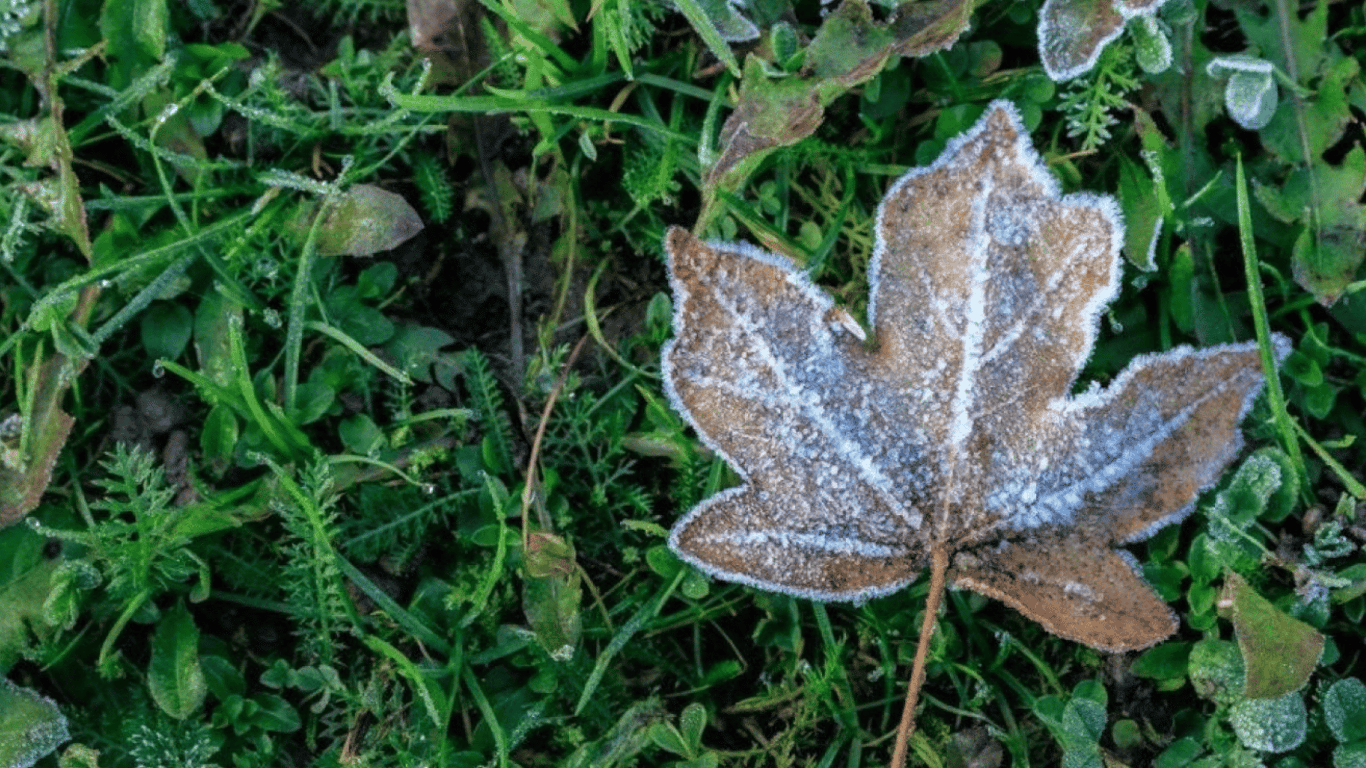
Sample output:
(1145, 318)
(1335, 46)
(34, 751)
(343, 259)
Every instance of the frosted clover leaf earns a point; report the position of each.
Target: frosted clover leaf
(1250, 95)
(951, 433)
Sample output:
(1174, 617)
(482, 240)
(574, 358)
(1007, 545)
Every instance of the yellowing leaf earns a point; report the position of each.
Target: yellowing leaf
(952, 432)
(1279, 651)
(367, 220)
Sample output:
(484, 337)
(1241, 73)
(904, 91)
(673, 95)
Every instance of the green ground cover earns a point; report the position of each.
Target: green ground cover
(332, 426)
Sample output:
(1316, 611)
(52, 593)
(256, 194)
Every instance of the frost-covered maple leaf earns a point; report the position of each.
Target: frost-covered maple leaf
(953, 430)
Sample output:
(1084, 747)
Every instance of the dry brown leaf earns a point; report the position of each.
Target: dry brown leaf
(954, 433)
(1072, 33)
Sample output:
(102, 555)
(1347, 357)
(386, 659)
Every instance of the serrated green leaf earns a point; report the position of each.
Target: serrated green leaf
(1326, 116)
(1259, 486)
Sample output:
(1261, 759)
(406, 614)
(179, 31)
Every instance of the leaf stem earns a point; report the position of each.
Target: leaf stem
(939, 566)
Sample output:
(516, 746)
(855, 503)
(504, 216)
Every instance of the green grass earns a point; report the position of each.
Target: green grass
(266, 501)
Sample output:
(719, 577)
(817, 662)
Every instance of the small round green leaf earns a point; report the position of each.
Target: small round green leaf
(1350, 755)
(1344, 709)
(166, 328)
(1152, 49)
(1216, 670)
(1270, 725)
(360, 435)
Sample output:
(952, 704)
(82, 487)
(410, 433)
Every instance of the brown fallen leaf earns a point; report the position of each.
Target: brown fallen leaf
(950, 441)
(1072, 33)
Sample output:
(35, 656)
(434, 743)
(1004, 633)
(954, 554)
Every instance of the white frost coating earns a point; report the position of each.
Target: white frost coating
(785, 540)
(1281, 348)
(809, 402)
(1023, 155)
(1150, 256)
(960, 423)
(833, 432)
(1078, 589)
(1238, 63)
(682, 297)
(1061, 506)
(750, 580)
(1054, 36)
(1271, 725)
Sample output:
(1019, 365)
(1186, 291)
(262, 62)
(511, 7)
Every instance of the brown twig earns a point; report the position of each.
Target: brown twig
(939, 566)
(529, 488)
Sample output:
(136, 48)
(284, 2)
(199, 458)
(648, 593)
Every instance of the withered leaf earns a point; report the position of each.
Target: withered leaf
(954, 432)
(1072, 33)
(365, 221)
(850, 48)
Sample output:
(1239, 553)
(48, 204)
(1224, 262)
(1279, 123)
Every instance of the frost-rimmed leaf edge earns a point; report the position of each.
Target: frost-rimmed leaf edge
(1024, 154)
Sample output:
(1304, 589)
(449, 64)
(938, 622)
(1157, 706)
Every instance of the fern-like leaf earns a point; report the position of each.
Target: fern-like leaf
(1090, 103)
(488, 402)
(438, 196)
(312, 580)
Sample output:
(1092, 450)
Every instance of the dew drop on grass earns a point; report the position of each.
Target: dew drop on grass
(167, 113)
(272, 318)
(158, 370)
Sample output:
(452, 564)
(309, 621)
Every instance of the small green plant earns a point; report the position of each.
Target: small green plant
(139, 545)
(1092, 103)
